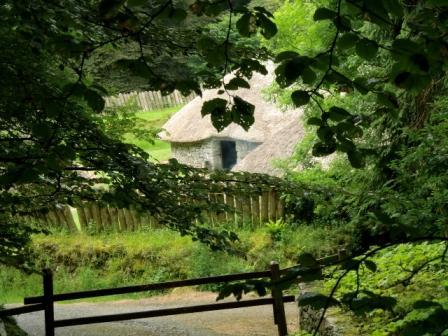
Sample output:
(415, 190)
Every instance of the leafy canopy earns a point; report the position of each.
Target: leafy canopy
(60, 58)
(58, 145)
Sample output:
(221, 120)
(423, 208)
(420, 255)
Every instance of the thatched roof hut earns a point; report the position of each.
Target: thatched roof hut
(273, 135)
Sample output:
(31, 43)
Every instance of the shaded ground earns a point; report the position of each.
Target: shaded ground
(252, 321)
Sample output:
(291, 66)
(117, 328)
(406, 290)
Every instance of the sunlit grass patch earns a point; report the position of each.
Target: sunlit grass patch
(158, 150)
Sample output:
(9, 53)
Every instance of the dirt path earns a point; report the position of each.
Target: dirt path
(252, 321)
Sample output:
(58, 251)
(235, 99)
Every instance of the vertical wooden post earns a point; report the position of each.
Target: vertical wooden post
(272, 208)
(122, 220)
(280, 208)
(239, 215)
(48, 302)
(277, 295)
(113, 214)
(210, 214)
(246, 210)
(95, 211)
(255, 200)
(264, 207)
(231, 217)
(67, 212)
(220, 216)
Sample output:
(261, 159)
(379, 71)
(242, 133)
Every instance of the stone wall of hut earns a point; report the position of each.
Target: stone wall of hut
(207, 153)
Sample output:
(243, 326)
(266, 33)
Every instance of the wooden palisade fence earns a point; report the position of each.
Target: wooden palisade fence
(150, 100)
(249, 210)
(46, 302)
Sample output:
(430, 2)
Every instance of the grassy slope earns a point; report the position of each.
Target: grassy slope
(83, 262)
(159, 150)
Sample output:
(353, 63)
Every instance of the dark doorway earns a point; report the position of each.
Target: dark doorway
(228, 154)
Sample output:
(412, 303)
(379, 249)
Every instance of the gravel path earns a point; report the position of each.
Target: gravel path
(251, 321)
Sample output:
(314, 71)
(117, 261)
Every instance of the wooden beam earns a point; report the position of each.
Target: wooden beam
(166, 312)
(155, 286)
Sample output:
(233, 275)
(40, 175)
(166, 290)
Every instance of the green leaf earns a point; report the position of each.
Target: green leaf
(425, 304)
(243, 113)
(247, 66)
(264, 11)
(356, 159)
(338, 114)
(325, 133)
(324, 149)
(347, 40)
(224, 292)
(376, 12)
(351, 264)
(343, 24)
(340, 79)
(94, 99)
(345, 145)
(236, 83)
(216, 56)
(290, 70)
(368, 303)
(300, 98)
(221, 119)
(260, 289)
(354, 132)
(308, 76)
(286, 55)
(370, 265)
(314, 121)
(309, 273)
(366, 48)
(217, 105)
(268, 28)
(324, 14)
(243, 25)
(316, 300)
(307, 260)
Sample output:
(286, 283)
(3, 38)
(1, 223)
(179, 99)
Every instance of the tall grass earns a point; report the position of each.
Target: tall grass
(83, 262)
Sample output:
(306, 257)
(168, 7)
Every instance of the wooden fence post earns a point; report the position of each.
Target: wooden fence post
(277, 295)
(264, 207)
(48, 302)
(255, 206)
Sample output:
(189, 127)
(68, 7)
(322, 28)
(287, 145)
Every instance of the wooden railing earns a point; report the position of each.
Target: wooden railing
(46, 302)
(250, 210)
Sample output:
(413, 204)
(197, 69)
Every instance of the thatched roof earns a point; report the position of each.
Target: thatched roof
(280, 145)
(277, 131)
(187, 125)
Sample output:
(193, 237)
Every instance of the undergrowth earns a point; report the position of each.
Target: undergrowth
(410, 292)
(84, 262)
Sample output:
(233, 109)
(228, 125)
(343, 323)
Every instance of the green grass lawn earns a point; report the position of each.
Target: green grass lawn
(159, 150)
